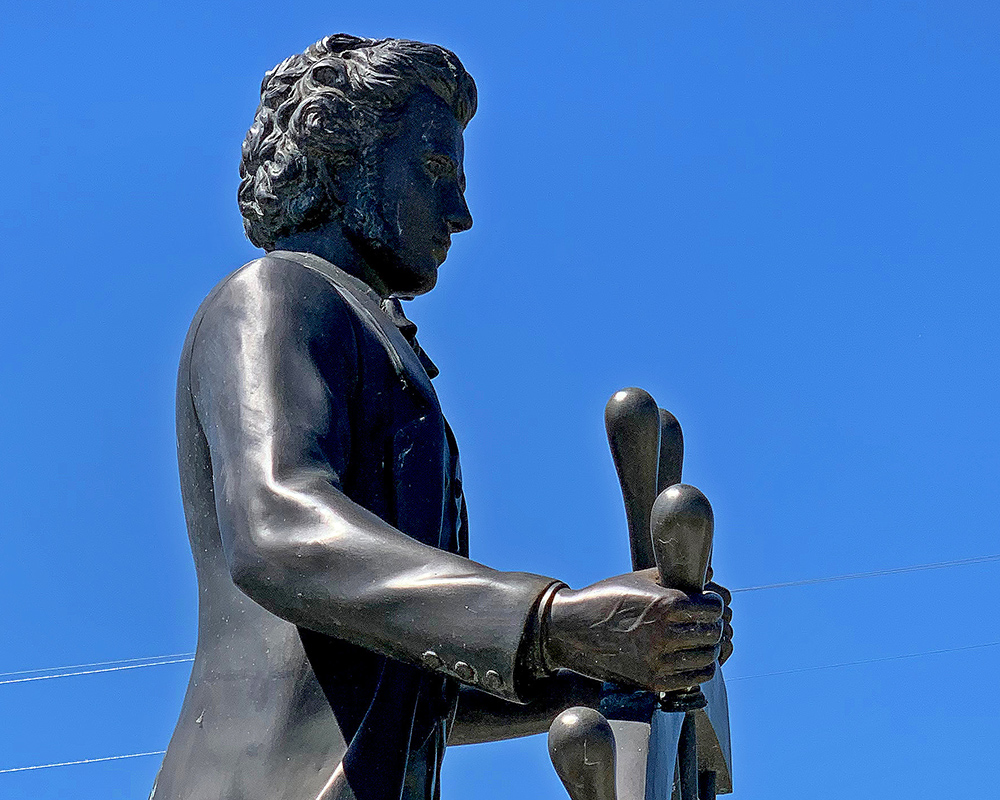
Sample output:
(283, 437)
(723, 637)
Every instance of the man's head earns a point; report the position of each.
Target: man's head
(326, 120)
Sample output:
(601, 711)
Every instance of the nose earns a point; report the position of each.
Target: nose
(457, 217)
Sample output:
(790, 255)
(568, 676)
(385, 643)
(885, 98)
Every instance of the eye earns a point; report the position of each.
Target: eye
(439, 166)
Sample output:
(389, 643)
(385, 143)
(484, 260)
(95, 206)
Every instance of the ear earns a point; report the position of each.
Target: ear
(346, 182)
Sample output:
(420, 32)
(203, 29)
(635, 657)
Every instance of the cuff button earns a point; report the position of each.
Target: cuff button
(493, 681)
(465, 672)
(432, 660)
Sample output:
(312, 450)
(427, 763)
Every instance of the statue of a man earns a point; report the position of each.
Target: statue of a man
(344, 635)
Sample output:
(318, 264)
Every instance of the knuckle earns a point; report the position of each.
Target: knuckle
(651, 574)
(674, 598)
(663, 606)
(714, 601)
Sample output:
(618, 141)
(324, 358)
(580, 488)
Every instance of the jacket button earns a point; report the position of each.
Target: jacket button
(465, 672)
(432, 660)
(492, 680)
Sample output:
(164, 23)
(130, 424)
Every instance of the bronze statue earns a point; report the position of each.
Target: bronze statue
(344, 636)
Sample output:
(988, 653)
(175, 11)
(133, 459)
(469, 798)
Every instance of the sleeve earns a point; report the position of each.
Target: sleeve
(279, 428)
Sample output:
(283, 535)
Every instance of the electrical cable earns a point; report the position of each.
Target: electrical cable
(864, 661)
(155, 661)
(729, 680)
(878, 573)
(94, 664)
(177, 658)
(82, 761)
(96, 671)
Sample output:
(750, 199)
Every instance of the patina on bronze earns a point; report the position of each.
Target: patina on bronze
(344, 636)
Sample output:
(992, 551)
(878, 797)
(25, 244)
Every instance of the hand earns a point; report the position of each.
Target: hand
(629, 629)
(726, 645)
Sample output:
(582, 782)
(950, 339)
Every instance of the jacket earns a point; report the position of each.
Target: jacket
(338, 611)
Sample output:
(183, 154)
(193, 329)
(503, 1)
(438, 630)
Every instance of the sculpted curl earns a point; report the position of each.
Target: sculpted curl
(321, 111)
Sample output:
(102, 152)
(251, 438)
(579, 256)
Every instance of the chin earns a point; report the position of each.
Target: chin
(412, 282)
(423, 288)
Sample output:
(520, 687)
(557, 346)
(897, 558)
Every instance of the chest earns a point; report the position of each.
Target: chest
(403, 463)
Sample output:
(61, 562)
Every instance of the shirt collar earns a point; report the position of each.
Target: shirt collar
(394, 310)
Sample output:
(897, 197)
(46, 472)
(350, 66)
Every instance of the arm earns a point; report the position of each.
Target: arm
(627, 630)
(484, 718)
(279, 430)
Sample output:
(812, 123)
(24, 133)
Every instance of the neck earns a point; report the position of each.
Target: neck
(330, 242)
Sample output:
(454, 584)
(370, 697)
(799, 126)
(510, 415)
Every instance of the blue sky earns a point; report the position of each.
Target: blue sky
(779, 218)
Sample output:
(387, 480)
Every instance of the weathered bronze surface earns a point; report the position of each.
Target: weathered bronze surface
(582, 749)
(344, 635)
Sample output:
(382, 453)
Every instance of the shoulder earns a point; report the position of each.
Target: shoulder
(272, 279)
(277, 305)
(275, 293)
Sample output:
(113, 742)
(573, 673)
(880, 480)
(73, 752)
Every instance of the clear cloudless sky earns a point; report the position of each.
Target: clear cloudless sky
(778, 217)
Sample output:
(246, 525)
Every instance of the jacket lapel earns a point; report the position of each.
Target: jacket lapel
(368, 306)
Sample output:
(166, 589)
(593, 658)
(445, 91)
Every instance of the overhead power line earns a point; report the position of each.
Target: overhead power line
(862, 662)
(878, 573)
(96, 664)
(729, 680)
(83, 761)
(176, 658)
(95, 671)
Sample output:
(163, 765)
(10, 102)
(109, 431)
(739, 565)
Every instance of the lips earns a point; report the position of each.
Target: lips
(439, 247)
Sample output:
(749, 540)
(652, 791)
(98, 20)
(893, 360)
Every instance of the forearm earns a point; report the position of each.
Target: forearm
(484, 718)
(310, 555)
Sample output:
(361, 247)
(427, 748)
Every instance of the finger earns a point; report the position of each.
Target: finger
(681, 680)
(720, 590)
(688, 660)
(707, 607)
(726, 644)
(693, 635)
(725, 651)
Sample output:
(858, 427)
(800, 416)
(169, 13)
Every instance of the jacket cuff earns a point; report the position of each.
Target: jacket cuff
(532, 662)
(503, 654)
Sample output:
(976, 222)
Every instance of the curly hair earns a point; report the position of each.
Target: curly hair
(321, 111)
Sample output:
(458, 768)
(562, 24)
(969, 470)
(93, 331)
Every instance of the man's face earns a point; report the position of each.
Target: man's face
(411, 198)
